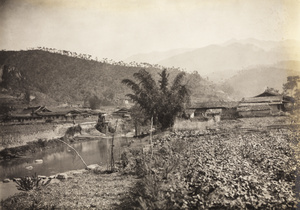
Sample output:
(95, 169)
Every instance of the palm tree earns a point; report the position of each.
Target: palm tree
(162, 102)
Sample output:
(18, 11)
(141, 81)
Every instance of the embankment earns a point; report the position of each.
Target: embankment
(19, 139)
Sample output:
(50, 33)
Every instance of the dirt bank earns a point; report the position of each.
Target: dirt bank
(68, 132)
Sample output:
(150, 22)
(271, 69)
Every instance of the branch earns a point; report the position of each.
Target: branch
(74, 150)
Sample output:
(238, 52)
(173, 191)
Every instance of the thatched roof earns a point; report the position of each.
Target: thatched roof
(35, 109)
(268, 93)
(122, 111)
(266, 99)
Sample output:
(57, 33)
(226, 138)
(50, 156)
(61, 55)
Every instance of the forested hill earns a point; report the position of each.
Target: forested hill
(57, 77)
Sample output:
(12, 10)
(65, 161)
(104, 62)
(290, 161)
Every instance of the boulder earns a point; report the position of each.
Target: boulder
(29, 168)
(42, 177)
(93, 166)
(39, 161)
(99, 170)
(6, 180)
(16, 179)
(62, 176)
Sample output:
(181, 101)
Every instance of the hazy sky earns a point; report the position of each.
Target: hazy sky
(119, 28)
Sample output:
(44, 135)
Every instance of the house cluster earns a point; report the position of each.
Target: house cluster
(43, 114)
(267, 103)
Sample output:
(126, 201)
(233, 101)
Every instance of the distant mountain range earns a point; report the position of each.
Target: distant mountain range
(231, 56)
(253, 81)
(155, 57)
(242, 67)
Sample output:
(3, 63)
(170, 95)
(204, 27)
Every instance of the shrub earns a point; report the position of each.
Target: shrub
(30, 183)
(228, 171)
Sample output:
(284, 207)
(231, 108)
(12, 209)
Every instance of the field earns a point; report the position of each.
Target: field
(238, 164)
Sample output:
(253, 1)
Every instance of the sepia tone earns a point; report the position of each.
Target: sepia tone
(149, 104)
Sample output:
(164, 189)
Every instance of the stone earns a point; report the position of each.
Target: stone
(16, 179)
(6, 180)
(76, 173)
(99, 170)
(62, 176)
(39, 161)
(29, 168)
(91, 167)
(52, 177)
(42, 177)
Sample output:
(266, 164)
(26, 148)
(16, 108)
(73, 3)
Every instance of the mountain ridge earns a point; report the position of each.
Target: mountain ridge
(230, 56)
(64, 78)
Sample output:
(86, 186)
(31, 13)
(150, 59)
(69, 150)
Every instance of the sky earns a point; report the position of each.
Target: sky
(117, 29)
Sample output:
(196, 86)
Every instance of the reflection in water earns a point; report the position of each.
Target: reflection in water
(63, 158)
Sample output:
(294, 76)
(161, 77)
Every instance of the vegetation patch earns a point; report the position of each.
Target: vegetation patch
(234, 170)
(86, 190)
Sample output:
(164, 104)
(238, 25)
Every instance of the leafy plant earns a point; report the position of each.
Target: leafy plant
(221, 171)
(162, 102)
(29, 183)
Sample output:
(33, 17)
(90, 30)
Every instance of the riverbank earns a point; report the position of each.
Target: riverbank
(23, 142)
(80, 191)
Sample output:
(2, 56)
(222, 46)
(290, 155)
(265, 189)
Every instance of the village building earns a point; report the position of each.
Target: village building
(267, 103)
(41, 114)
(122, 113)
(216, 110)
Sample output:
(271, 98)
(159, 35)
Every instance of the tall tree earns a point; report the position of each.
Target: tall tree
(291, 84)
(161, 102)
(94, 102)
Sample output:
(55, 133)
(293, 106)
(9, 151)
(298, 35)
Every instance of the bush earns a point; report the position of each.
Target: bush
(30, 183)
(228, 171)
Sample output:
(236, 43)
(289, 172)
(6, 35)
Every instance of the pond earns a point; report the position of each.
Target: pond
(62, 158)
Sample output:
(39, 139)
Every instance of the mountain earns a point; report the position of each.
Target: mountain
(234, 56)
(155, 57)
(55, 78)
(253, 81)
(222, 61)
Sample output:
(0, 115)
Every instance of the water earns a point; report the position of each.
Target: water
(63, 158)
(57, 160)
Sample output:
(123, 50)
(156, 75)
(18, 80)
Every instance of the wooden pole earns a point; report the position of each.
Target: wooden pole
(74, 150)
(112, 161)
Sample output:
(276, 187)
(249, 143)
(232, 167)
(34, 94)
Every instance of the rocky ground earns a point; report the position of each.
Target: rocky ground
(81, 190)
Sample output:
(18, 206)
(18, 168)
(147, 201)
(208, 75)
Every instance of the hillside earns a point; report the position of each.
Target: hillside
(56, 78)
(253, 81)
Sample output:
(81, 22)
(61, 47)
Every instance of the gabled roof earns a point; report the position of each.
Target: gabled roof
(268, 96)
(268, 93)
(121, 111)
(266, 99)
(59, 113)
(35, 109)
